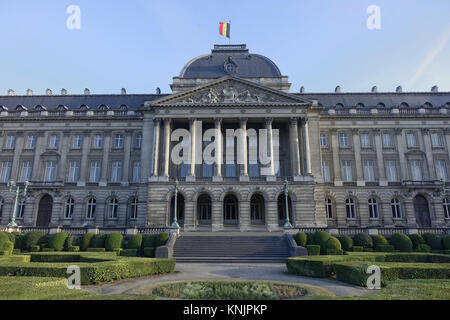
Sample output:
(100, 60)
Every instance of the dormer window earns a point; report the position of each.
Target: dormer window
(84, 107)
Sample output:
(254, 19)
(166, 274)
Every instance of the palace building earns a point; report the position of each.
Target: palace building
(374, 160)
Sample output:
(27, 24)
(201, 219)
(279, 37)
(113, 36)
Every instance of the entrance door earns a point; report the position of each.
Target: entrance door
(44, 211)
(204, 209)
(422, 212)
(230, 210)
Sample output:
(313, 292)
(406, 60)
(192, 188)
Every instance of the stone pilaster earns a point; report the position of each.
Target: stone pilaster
(380, 160)
(360, 181)
(429, 154)
(401, 147)
(336, 164)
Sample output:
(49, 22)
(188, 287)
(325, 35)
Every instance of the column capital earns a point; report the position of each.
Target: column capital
(425, 130)
(192, 120)
(168, 120)
(268, 121)
(293, 121)
(218, 121)
(447, 130)
(398, 131)
(355, 130)
(376, 131)
(157, 121)
(243, 121)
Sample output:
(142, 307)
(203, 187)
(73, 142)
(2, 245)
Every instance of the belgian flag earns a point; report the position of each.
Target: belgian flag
(224, 29)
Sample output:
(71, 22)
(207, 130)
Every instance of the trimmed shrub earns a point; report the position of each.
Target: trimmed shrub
(98, 241)
(35, 248)
(363, 240)
(378, 240)
(85, 241)
(401, 242)
(416, 239)
(149, 240)
(358, 249)
(368, 249)
(70, 242)
(96, 250)
(385, 248)
(149, 252)
(301, 239)
(113, 241)
(129, 253)
(162, 239)
(433, 240)
(346, 243)
(18, 240)
(11, 236)
(48, 250)
(8, 247)
(56, 242)
(73, 249)
(118, 251)
(135, 242)
(423, 248)
(446, 242)
(334, 252)
(3, 238)
(333, 243)
(321, 238)
(16, 251)
(310, 238)
(313, 250)
(33, 238)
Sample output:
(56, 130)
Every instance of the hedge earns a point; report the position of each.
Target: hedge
(446, 242)
(113, 241)
(57, 241)
(8, 248)
(149, 240)
(129, 252)
(385, 248)
(332, 243)
(423, 248)
(310, 238)
(35, 248)
(149, 252)
(333, 252)
(70, 242)
(301, 238)
(320, 238)
(162, 239)
(378, 240)
(135, 242)
(85, 241)
(363, 240)
(48, 250)
(73, 249)
(358, 249)
(346, 242)
(33, 238)
(433, 240)
(401, 242)
(416, 239)
(96, 250)
(3, 238)
(313, 250)
(98, 241)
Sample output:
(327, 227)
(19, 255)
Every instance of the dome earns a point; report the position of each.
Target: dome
(230, 60)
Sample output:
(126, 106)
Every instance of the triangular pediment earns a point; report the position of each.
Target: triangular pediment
(231, 90)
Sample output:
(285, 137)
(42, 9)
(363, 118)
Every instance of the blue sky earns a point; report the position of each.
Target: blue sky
(141, 45)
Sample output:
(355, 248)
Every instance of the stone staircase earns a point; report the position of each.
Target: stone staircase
(230, 247)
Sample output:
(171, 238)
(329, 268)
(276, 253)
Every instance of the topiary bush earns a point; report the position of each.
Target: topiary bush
(98, 241)
(3, 238)
(18, 240)
(310, 238)
(301, 239)
(162, 239)
(321, 238)
(35, 248)
(433, 240)
(334, 252)
(57, 241)
(33, 238)
(128, 253)
(385, 248)
(446, 242)
(149, 240)
(8, 248)
(363, 240)
(73, 249)
(313, 249)
(333, 243)
(423, 248)
(416, 239)
(346, 243)
(85, 241)
(401, 242)
(70, 242)
(96, 250)
(378, 240)
(149, 252)
(135, 242)
(113, 241)
(357, 249)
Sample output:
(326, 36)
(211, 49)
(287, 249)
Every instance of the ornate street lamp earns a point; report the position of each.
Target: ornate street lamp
(287, 224)
(12, 184)
(175, 223)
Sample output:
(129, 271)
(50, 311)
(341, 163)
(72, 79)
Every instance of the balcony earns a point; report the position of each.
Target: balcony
(430, 184)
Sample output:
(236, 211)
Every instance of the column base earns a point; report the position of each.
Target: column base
(102, 184)
(383, 183)
(244, 179)
(338, 183)
(271, 178)
(217, 178)
(190, 179)
(360, 183)
(81, 184)
(124, 183)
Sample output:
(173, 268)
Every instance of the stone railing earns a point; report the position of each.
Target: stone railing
(382, 231)
(95, 230)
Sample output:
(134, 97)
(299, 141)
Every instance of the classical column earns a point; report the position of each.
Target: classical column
(244, 172)
(192, 130)
(401, 147)
(336, 165)
(295, 150)
(429, 154)
(305, 128)
(126, 160)
(41, 138)
(268, 123)
(219, 153)
(105, 160)
(84, 160)
(167, 129)
(156, 151)
(147, 152)
(380, 161)
(64, 149)
(17, 152)
(447, 139)
(357, 151)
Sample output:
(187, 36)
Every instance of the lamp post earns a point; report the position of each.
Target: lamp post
(175, 223)
(287, 224)
(12, 184)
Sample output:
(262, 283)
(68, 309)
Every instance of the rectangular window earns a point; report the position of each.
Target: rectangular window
(323, 140)
(5, 171)
(31, 142)
(391, 170)
(95, 172)
(116, 167)
(136, 171)
(77, 140)
(98, 141)
(118, 141)
(436, 140)
(387, 140)
(138, 141)
(10, 142)
(74, 171)
(26, 171)
(416, 170)
(411, 139)
(326, 171)
(365, 140)
(53, 143)
(343, 139)
(346, 170)
(369, 174)
(50, 169)
(441, 170)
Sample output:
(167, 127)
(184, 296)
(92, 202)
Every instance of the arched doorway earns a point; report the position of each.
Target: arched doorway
(204, 209)
(230, 210)
(422, 212)
(180, 209)
(44, 215)
(257, 209)
(282, 209)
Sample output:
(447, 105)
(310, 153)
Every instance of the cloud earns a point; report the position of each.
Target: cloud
(430, 56)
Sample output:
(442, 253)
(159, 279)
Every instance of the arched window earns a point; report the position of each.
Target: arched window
(230, 209)
(396, 208)
(204, 209)
(445, 202)
(360, 105)
(373, 208)
(113, 205)
(2, 203)
(404, 105)
(350, 208)
(381, 105)
(133, 208)
(339, 106)
(90, 208)
(428, 105)
(329, 208)
(21, 209)
(68, 210)
(257, 209)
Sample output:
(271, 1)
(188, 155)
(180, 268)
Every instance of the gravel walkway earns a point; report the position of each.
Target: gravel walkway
(229, 271)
